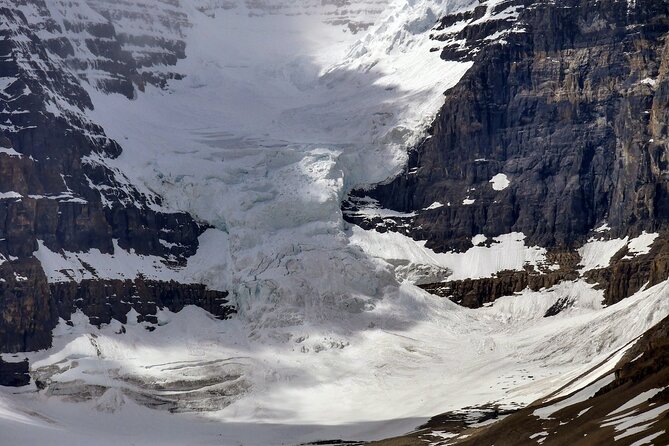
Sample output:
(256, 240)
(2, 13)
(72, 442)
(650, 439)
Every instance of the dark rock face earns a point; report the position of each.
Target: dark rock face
(29, 312)
(474, 293)
(104, 300)
(55, 185)
(14, 374)
(625, 276)
(573, 110)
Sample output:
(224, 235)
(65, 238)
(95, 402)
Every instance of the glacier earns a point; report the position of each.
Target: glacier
(278, 112)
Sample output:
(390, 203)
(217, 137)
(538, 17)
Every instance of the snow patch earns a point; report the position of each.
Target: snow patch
(629, 424)
(10, 152)
(647, 440)
(588, 392)
(479, 239)
(641, 398)
(121, 264)
(649, 81)
(597, 254)
(500, 182)
(435, 205)
(603, 228)
(507, 252)
(642, 244)
(10, 195)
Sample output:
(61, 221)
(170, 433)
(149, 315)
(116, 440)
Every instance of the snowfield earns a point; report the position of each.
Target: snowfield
(278, 116)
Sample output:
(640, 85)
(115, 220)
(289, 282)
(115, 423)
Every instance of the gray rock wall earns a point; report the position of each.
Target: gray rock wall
(573, 110)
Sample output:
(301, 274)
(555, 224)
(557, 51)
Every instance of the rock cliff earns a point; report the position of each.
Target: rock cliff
(559, 128)
(569, 113)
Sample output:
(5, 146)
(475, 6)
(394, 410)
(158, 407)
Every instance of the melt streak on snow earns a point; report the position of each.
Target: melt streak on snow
(278, 115)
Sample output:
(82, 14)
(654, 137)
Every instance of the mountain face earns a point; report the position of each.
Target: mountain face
(555, 131)
(59, 196)
(334, 219)
(568, 113)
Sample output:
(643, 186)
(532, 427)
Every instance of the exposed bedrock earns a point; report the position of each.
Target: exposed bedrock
(570, 116)
(573, 111)
(28, 310)
(31, 307)
(625, 275)
(474, 293)
(104, 300)
(14, 374)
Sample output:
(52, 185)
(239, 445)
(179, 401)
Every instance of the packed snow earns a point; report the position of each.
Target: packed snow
(479, 239)
(500, 182)
(642, 244)
(597, 253)
(10, 195)
(648, 439)
(10, 152)
(506, 252)
(603, 228)
(641, 398)
(580, 396)
(120, 264)
(636, 422)
(435, 205)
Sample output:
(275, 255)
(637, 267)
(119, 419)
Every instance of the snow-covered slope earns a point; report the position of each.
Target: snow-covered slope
(277, 120)
(258, 118)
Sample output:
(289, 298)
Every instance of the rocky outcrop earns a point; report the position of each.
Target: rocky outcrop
(475, 293)
(104, 300)
(628, 274)
(117, 47)
(558, 127)
(29, 312)
(31, 307)
(625, 275)
(14, 374)
(571, 109)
